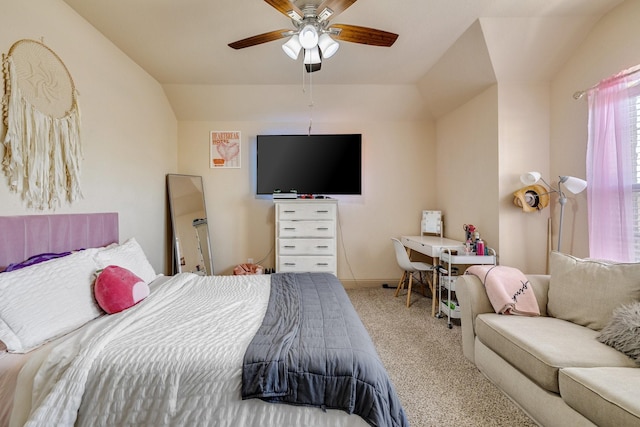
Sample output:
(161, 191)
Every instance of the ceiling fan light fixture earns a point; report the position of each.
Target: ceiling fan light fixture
(312, 56)
(308, 36)
(327, 45)
(312, 59)
(292, 47)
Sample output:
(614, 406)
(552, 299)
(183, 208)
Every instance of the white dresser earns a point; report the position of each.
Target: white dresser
(306, 235)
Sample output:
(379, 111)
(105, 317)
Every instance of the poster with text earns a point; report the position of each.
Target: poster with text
(225, 149)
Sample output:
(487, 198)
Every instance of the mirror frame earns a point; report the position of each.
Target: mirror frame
(176, 266)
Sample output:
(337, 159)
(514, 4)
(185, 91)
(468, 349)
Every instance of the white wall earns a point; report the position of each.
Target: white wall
(398, 182)
(129, 131)
(130, 136)
(524, 146)
(483, 147)
(612, 46)
(468, 167)
(520, 126)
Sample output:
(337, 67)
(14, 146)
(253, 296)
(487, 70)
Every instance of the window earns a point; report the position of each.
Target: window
(613, 167)
(635, 142)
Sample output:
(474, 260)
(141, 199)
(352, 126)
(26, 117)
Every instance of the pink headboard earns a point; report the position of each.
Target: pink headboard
(24, 236)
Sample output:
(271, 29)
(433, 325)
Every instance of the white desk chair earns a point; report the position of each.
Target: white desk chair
(409, 268)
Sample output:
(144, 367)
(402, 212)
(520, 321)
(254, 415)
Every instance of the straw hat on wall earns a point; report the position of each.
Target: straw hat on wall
(531, 198)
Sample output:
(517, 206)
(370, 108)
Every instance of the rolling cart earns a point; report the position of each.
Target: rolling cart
(447, 279)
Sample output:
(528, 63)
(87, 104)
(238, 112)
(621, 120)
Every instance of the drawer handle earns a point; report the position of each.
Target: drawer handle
(322, 247)
(290, 263)
(323, 211)
(289, 211)
(290, 246)
(289, 228)
(322, 228)
(322, 264)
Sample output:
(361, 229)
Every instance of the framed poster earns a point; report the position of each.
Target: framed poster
(224, 148)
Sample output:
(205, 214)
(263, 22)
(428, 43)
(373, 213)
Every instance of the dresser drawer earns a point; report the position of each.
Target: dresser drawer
(311, 211)
(306, 229)
(306, 236)
(306, 246)
(298, 264)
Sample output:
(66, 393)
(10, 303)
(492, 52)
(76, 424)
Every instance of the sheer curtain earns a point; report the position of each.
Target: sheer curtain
(610, 153)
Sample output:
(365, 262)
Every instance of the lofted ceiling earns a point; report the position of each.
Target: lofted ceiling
(446, 47)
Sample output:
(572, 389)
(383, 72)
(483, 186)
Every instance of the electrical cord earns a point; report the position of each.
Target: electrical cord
(344, 249)
(267, 255)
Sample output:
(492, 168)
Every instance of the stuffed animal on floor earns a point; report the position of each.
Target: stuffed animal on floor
(117, 289)
(245, 269)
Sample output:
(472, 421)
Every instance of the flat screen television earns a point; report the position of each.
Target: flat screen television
(309, 164)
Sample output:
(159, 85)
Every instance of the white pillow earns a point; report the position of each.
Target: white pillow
(128, 255)
(47, 300)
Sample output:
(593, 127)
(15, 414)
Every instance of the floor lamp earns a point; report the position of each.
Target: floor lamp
(571, 183)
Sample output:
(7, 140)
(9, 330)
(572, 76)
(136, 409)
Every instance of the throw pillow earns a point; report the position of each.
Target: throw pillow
(128, 255)
(623, 331)
(586, 292)
(117, 289)
(44, 301)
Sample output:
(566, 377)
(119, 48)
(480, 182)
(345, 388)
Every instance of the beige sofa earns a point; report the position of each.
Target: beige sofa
(554, 366)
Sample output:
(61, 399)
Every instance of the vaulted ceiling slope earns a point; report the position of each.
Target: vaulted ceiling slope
(449, 48)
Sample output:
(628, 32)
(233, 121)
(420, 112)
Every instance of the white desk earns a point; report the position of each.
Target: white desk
(431, 246)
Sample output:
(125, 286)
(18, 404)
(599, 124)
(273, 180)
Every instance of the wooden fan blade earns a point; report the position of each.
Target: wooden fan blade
(259, 39)
(284, 6)
(364, 35)
(337, 6)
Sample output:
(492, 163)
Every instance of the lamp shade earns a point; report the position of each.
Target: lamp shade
(308, 36)
(530, 178)
(573, 184)
(327, 45)
(292, 47)
(312, 56)
(312, 59)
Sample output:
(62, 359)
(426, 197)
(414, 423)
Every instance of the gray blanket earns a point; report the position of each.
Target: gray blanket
(312, 349)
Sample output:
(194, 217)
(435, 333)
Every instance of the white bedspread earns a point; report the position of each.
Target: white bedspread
(174, 359)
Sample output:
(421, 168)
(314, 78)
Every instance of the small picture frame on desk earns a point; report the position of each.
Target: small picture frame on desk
(431, 222)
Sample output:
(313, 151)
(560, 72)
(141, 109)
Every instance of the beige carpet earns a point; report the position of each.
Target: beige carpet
(437, 385)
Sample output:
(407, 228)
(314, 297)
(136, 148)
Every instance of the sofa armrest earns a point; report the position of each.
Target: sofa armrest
(473, 301)
(540, 285)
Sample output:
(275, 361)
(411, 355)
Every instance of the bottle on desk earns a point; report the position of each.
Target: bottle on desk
(479, 247)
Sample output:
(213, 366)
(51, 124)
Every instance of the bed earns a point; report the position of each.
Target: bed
(267, 350)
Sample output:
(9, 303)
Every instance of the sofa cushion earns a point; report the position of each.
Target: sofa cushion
(586, 292)
(606, 396)
(623, 331)
(540, 346)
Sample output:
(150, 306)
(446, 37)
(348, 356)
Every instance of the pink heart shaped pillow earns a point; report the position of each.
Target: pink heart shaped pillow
(117, 289)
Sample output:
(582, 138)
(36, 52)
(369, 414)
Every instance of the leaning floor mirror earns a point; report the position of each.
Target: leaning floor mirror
(190, 231)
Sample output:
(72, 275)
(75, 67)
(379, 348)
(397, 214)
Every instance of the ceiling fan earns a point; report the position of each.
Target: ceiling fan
(314, 34)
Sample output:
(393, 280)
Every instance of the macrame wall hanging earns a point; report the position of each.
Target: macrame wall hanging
(42, 147)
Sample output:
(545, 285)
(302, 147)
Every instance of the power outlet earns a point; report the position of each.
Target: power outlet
(249, 260)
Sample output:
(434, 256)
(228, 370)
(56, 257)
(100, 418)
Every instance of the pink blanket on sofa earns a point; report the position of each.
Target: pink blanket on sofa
(508, 289)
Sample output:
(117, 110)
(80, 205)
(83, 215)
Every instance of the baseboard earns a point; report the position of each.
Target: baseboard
(369, 283)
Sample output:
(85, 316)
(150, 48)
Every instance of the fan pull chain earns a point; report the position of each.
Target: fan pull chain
(304, 90)
(311, 101)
